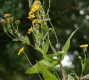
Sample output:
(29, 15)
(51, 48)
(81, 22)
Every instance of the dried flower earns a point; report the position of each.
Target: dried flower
(37, 2)
(21, 50)
(30, 30)
(17, 22)
(83, 46)
(3, 21)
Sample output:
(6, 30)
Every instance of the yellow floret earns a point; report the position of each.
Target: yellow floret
(21, 50)
(30, 30)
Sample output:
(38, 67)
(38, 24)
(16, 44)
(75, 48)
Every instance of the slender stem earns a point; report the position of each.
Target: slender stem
(61, 66)
(54, 33)
(27, 59)
(56, 74)
(63, 71)
(51, 45)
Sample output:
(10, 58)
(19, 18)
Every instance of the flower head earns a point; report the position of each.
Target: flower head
(17, 22)
(37, 2)
(21, 50)
(36, 21)
(3, 21)
(31, 16)
(83, 46)
(35, 8)
(30, 30)
(7, 15)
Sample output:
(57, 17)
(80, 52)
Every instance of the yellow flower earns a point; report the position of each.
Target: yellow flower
(30, 30)
(21, 50)
(36, 21)
(36, 25)
(31, 16)
(30, 13)
(35, 8)
(7, 15)
(83, 46)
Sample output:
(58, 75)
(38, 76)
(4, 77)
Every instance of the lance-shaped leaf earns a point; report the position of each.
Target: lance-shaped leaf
(46, 74)
(45, 27)
(40, 50)
(70, 77)
(67, 44)
(45, 47)
(36, 69)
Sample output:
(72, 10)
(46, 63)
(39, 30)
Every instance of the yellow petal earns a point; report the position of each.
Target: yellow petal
(83, 45)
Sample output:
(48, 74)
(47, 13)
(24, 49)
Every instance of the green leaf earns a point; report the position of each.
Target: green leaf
(54, 63)
(59, 53)
(42, 67)
(47, 58)
(45, 27)
(40, 50)
(27, 40)
(70, 77)
(46, 74)
(67, 44)
(36, 69)
(45, 47)
(15, 40)
(46, 64)
(40, 36)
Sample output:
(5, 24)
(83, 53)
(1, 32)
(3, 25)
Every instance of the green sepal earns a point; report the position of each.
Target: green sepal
(15, 40)
(27, 40)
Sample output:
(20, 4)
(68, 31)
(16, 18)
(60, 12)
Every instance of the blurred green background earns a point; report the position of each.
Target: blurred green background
(66, 16)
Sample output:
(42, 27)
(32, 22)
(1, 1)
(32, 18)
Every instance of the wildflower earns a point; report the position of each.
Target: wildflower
(83, 46)
(36, 21)
(37, 2)
(9, 19)
(36, 25)
(17, 22)
(35, 8)
(30, 13)
(7, 15)
(29, 30)
(21, 50)
(31, 16)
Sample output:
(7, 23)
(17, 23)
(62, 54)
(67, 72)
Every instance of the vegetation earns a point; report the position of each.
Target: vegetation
(40, 39)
